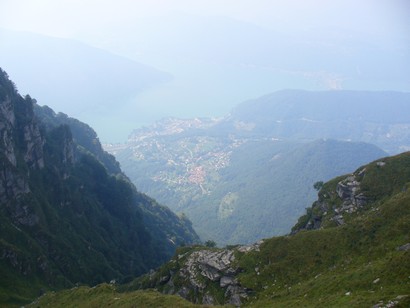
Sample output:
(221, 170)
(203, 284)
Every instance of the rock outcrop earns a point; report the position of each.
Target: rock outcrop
(331, 206)
(204, 267)
(7, 122)
(21, 151)
(203, 276)
(348, 190)
(33, 155)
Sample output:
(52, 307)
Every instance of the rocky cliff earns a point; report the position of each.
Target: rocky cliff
(21, 146)
(67, 213)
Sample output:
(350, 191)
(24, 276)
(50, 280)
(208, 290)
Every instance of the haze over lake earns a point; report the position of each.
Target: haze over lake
(212, 54)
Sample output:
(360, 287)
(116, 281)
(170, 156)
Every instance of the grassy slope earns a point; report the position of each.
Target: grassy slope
(360, 258)
(105, 295)
(320, 267)
(354, 265)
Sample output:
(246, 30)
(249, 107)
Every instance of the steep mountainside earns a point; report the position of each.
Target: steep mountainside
(68, 215)
(351, 249)
(235, 188)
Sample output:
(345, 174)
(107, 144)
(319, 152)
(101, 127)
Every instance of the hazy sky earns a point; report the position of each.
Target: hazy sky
(222, 52)
(71, 18)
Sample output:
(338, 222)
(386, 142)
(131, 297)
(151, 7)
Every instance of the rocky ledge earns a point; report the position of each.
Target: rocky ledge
(203, 276)
(205, 267)
(332, 206)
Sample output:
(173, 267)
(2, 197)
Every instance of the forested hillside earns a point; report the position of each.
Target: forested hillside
(235, 188)
(250, 174)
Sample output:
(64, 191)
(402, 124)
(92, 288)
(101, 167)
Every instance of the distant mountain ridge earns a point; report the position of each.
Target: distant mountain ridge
(230, 175)
(68, 215)
(378, 117)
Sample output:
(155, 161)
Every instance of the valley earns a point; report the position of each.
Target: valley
(71, 219)
(351, 248)
(250, 175)
(205, 153)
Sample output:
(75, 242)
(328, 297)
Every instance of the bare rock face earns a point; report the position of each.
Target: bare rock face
(227, 281)
(31, 137)
(348, 191)
(347, 188)
(249, 248)
(68, 152)
(21, 150)
(33, 155)
(12, 184)
(215, 266)
(7, 122)
(404, 247)
(195, 275)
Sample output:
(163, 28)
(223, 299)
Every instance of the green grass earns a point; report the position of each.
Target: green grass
(318, 268)
(355, 265)
(105, 295)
